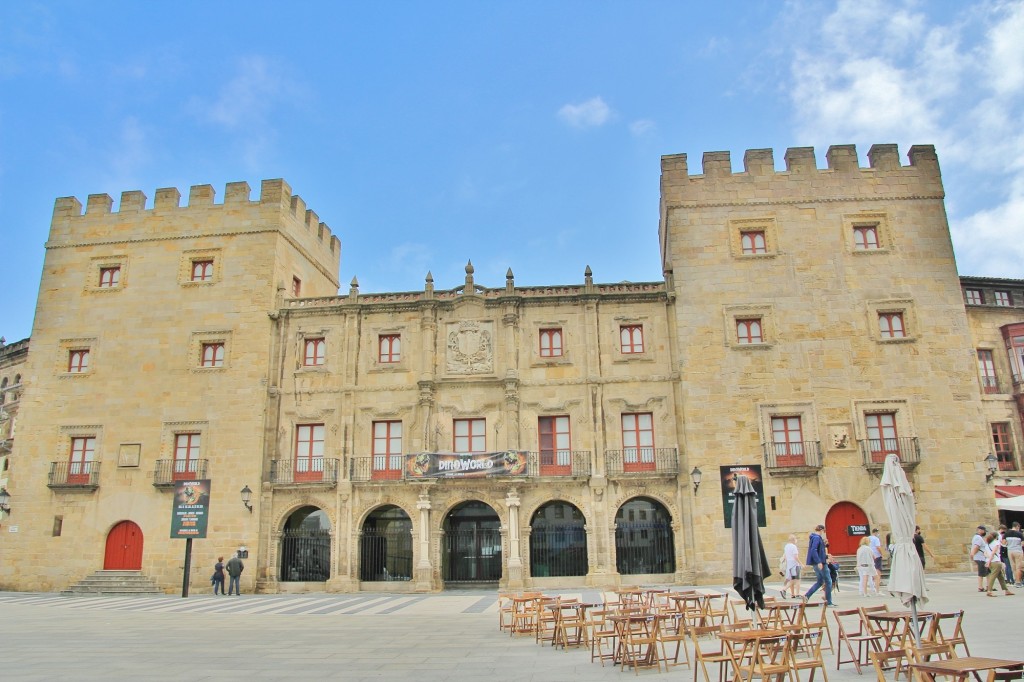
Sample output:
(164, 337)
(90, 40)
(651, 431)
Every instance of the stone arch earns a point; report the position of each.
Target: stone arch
(474, 542)
(558, 540)
(306, 546)
(386, 544)
(644, 537)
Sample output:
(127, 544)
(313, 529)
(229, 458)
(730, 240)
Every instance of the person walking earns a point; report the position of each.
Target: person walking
(866, 568)
(979, 550)
(994, 563)
(818, 561)
(920, 546)
(1015, 552)
(833, 567)
(876, 554)
(218, 576)
(791, 573)
(235, 568)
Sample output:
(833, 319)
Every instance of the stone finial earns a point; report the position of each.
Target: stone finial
(353, 288)
(428, 287)
(469, 276)
(588, 276)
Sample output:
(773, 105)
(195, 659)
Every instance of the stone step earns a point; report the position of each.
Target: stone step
(114, 582)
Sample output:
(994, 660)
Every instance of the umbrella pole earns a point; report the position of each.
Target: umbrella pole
(913, 618)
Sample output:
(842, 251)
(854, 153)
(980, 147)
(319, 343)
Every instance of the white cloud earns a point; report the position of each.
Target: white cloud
(1006, 57)
(590, 114)
(254, 89)
(641, 127)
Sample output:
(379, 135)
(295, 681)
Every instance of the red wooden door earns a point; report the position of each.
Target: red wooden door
(839, 518)
(124, 548)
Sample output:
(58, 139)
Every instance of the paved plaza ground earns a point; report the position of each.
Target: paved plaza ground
(447, 636)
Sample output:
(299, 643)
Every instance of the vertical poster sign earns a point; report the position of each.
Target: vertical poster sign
(729, 475)
(190, 513)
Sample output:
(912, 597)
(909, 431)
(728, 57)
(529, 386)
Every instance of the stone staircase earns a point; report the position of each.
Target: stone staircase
(114, 582)
(848, 570)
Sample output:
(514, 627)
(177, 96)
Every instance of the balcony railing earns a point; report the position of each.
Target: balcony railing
(74, 475)
(874, 451)
(641, 461)
(558, 463)
(780, 457)
(377, 468)
(307, 471)
(170, 470)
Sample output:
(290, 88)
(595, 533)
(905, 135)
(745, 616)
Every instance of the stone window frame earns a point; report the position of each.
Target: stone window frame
(538, 360)
(68, 432)
(877, 219)
(375, 336)
(64, 349)
(765, 312)
(646, 324)
(188, 258)
(899, 406)
(195, 349)
(766, 224)
(904, 306)
(810, 431)
(99, 263)
(305, 335)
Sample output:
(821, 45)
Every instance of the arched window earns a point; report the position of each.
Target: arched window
(643, 538)
(306, 547)
(558, 541)
(385, 548)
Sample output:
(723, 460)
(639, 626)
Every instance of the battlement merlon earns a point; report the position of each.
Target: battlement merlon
(843, 177)
(201, 215)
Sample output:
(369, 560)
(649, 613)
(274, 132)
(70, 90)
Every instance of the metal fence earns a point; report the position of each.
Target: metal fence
(874, 450)
(559, 551)
(314, 470)
(305, 555)
(558, 463)
(170, 470)
(74, 475)
(642, 461)
(386, 555)
(472, 556)
(644, 548)
(800, 454)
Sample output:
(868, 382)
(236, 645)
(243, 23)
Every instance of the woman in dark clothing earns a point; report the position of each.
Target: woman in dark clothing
(218, 576)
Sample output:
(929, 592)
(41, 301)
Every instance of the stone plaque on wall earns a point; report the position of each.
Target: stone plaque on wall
(470, 348)
(128, 454)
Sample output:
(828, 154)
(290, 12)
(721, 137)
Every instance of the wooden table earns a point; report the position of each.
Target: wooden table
(570, 616)
(889, 622)
(642, 626)
(960, 668)
(781, 613)
(691, 606)
(747, 640)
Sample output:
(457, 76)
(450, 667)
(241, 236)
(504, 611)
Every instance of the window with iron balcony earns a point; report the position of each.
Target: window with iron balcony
(1003, 446)
(309, 453)
(987, 371)
(388, 459)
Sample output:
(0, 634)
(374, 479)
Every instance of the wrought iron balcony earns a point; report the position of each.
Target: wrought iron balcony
(642, 462)
(377, 468)
(74, 475)
(558, 463)
(874, 451)
(314, 471)
(793, 459)
(170, 470)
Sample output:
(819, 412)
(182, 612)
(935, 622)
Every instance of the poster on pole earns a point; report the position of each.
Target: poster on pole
(729, 474)
(191, 508)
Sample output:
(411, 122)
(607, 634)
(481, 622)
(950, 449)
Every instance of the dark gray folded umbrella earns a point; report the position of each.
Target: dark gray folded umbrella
(749, 563)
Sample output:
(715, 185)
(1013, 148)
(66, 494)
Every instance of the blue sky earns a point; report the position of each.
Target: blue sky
(523, 135)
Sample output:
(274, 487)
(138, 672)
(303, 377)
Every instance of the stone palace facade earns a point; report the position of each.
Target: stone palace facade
(806, 323)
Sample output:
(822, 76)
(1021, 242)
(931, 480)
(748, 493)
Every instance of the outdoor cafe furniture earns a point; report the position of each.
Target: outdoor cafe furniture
(751, 650)
(817, 614)
(601, 632)
(691, 606)
(805, 651)
(897, 627)
(672, 630)
(524, 613)
(709, 648)
(783, 614)
(886, 660)
(960, 668)
(570, 623)
(856, 637)
(949, 627)
(716, 609)
(637, 635)
(549, 609)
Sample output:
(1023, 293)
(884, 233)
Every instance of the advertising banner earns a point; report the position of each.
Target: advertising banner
(191, 508)
(442, 465)
(729, 475)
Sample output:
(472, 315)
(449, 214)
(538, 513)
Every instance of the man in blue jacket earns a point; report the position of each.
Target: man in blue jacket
(818, 560)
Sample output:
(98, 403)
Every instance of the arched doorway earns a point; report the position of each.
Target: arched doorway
(385, 547)
(840, 517)
(124, 548)
(558, 541)
(472, 544)
(643, 538)
(306, 547)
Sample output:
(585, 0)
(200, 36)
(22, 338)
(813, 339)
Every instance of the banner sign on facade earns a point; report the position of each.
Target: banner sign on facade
(444, 465)
(190, 512)
(729, 475)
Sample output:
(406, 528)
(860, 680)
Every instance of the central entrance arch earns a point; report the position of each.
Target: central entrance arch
(472, 544)
(840, 517)
(124, 548)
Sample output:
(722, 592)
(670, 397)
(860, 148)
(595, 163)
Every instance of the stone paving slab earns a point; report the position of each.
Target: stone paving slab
(447, 636)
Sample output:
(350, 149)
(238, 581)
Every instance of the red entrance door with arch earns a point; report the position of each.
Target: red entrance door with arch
(124, 548)
(840, 517)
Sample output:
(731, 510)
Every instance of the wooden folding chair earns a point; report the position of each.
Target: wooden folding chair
(925, 652)
(601, 632)
(883, 660)
(949, 628)
(805, 651)
(716, 609)
(504, 611)
(672, 630)
(856, 636)
(1005, 675)
(524, 613)
(739, 613)
(639, 645)
(708, 648)
(770, 659)
(813, 616)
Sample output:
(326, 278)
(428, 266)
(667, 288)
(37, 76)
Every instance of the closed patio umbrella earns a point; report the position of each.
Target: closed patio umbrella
(906, 575)
(749, 563)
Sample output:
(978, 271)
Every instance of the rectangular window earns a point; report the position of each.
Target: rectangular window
(78, 361)
(882, 437)
(631, 336)
(83, 451)
(890, 325)
(309, 452)
(638, 442)
(752, 242)
(788, 440)
(110, 277)
(555, 446)
(470, 435)
(389, 348)
(212, 355)
(202, 270)
(550, 343)
(313, 352)
(865, 237)
(749, 331)
(1002, 298)
(296, 287)
(975, 296)
(1003, 446)
(987, 371)
(1013, 336)
(186, 456)
(387, 450)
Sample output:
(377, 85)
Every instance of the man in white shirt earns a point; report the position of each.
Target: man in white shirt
(876, 554)
(979, 548)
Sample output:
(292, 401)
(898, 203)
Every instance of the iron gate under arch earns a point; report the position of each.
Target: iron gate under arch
(558, 551)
